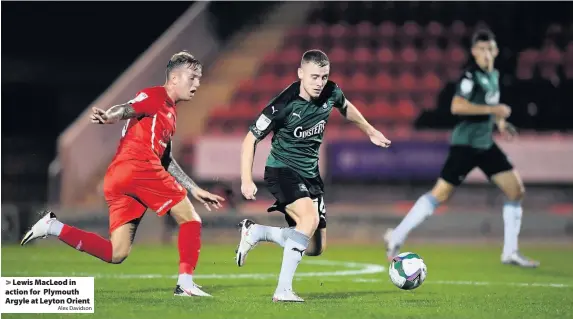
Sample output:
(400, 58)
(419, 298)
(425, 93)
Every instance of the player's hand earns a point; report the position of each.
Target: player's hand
(379, 139)
(98, 116)
(502, 111)
(249, 190)
(508, 130)
(207, 199)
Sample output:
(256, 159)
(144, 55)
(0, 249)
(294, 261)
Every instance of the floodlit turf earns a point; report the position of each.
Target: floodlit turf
(463, 282)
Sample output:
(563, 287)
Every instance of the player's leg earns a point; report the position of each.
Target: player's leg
(500, 171)
(460, 161)
(159, 191)
(253, 233)
(303, 212)
(317, 243)
(189, 246)
(125, 214)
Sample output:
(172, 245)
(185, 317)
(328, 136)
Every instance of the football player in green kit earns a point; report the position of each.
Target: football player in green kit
(476, 102)
(297, 117)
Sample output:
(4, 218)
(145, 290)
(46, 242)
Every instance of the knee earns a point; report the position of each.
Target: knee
(516, 195)
(442, 191)
(315, 250)
(186, 216)
(119, 255)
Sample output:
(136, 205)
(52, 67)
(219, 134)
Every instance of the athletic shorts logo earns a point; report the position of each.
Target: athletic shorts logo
(302, 188)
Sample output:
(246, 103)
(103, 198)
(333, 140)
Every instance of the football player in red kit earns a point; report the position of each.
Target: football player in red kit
(143, 175)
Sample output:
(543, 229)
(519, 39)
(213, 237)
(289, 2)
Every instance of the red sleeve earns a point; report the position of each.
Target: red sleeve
(145, 102)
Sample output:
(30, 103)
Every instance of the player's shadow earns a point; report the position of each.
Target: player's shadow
(210, 289)
(344, 294)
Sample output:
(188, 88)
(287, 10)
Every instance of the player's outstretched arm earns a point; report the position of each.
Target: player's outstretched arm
(206, 198)
(461, 106)
(248, 187)
(114, 114)
(354, 115)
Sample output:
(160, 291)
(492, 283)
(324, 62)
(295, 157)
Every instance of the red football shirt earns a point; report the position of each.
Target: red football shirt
(147, 136)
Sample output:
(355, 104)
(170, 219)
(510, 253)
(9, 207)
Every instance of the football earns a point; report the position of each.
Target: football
(408, 271)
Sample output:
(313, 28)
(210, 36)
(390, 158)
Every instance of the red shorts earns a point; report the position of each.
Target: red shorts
(130, 187)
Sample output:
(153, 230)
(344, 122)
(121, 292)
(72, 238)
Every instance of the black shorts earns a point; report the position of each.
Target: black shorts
(463, 159)
(287, 186)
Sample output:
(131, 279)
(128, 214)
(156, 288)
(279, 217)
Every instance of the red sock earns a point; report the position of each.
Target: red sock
(90, 243)
(189, 244)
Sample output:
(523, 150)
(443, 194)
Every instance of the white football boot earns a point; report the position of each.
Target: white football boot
(193, 291)
(392, 250)
(286, 295)
(518, 259)
(247, 242)
(40, 228)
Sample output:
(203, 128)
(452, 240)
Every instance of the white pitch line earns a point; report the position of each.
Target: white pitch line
(474, 283)
(353, 270)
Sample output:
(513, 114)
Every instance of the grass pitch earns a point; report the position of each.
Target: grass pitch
(464, 281)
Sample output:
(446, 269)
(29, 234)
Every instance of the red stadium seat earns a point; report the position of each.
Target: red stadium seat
(365, 30)
(339, 33)
(360, 83)
(386, 33)
(408, 58)
(408, 33)
(434, 30)
(338, 56)
(550, 55)
(383, 110)
(407, 83)
(428, 101)
(266, 84)
(363, 57)
(431, 58)
(528, 57)
(406, 110)
(291, 56)
(384, 82)
(457, 31)
(317, 31)
(339, 78)
(456, 55)
(430, 83)
(385, 58)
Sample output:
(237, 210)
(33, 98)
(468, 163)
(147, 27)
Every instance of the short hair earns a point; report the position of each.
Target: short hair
(183, 58)
(482, 35)
(315, 56)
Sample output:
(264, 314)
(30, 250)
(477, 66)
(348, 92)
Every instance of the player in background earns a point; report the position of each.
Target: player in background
(142, 175)
(476, 101)
(297, 117)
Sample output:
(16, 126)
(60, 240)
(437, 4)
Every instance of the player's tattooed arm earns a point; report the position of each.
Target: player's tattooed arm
(176, 171)
(209, 200)
(113, 114)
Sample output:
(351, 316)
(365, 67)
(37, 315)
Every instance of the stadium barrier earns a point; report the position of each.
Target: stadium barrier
(539, 159)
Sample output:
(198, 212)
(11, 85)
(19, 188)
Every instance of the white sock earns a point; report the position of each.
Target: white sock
(424, 207)
(277, 235)
(185, 280)
(55, 228)
(512, 213)
(295, 246)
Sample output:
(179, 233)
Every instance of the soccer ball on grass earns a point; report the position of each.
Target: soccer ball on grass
(408, 271)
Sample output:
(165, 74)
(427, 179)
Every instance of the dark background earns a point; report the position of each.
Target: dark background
(57, 57)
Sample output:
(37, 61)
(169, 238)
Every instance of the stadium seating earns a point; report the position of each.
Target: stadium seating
(398, 64)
